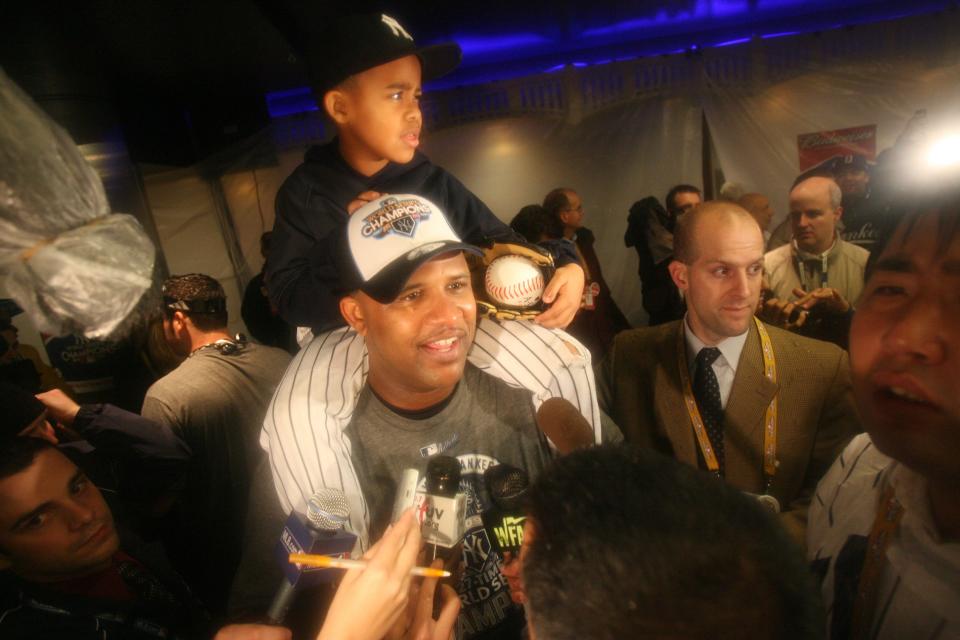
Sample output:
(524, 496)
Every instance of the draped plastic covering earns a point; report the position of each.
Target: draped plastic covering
(70, 263)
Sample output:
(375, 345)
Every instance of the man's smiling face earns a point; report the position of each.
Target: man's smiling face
(418, 343)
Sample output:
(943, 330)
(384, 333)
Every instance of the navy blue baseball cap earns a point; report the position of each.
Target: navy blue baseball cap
(355, 43)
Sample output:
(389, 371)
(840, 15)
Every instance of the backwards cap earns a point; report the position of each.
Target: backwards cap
(352, 44)
(388, 239)
(193, 293)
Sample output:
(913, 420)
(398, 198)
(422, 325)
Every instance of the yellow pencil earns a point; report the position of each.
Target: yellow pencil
(329, 562)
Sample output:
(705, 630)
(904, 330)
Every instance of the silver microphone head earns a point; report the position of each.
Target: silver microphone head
(327, 509)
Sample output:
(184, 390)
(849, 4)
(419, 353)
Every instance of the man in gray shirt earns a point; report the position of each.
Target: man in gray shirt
(416, 311)
(215, 401)
(408, 300)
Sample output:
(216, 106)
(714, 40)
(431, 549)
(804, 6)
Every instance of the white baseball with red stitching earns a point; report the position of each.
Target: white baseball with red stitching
(514, 281)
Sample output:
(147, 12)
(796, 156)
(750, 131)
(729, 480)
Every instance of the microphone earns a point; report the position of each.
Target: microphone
(504, 521)
(442, 508)
(320, 532)
(406, 493)
(566, 427)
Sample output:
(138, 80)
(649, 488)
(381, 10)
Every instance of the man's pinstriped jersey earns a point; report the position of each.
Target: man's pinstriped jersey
(304, 428)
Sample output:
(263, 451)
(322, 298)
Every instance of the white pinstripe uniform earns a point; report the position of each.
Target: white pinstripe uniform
(918, 595)
(304, 428)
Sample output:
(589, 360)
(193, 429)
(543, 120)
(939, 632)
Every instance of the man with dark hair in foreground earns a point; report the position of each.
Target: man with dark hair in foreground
(885, 524)
(63, 573)
(650, 548)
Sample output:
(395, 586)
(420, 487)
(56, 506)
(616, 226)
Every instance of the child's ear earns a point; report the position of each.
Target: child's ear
(336, 104)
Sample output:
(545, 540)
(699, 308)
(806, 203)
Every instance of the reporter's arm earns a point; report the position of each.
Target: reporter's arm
(424, 626)
(369, 600)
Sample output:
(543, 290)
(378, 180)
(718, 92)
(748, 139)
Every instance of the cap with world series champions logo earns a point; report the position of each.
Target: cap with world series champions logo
(390, 238)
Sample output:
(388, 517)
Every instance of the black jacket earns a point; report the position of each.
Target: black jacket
(311, 212)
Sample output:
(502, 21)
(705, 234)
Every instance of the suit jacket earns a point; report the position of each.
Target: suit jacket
(639, 387)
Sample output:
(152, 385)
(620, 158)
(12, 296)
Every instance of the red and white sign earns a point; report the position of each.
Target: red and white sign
(816, 147)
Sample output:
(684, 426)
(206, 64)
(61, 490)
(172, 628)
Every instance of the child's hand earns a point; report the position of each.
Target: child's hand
(565, 291)
(362, 199)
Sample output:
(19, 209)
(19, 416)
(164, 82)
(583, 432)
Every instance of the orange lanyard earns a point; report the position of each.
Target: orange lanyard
(884, 526)
(770, 418)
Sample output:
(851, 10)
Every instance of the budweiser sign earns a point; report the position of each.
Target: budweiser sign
(816, 147)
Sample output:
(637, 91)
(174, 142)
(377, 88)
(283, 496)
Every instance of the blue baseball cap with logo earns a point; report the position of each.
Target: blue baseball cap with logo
(352, 44)
(390, 238)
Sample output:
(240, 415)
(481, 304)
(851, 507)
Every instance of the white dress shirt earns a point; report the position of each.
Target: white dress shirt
(725, 367)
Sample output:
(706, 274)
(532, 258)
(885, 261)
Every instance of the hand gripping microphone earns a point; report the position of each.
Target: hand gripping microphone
(507, 486)
(442, 509)
(320, 532)
(566, 427)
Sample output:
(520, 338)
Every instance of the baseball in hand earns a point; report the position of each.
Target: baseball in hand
(514, 281)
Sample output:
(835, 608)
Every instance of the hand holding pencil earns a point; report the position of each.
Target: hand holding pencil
(330, 562)
(372, 597)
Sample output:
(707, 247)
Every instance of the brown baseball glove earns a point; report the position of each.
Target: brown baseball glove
(486, 305)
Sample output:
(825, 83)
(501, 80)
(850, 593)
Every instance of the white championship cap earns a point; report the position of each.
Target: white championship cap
(388, 239)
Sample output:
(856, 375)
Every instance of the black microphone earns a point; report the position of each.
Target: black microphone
(320, 532)
(566, 427)
(507, 486)
(443, 508)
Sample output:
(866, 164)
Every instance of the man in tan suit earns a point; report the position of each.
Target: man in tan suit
(732, 400)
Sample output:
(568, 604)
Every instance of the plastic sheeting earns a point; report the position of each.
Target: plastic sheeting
(70, 263)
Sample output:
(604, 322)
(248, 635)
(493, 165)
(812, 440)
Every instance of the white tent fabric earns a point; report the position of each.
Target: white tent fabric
(612, 158)
(190, 236)
(755, 132)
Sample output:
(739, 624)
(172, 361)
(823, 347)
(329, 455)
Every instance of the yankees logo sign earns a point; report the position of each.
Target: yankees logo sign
(395, 216)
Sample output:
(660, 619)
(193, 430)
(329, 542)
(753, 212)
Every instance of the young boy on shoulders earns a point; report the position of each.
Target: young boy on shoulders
(367, 75)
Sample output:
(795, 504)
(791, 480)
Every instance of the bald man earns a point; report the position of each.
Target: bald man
(718, 389)
(817, 258)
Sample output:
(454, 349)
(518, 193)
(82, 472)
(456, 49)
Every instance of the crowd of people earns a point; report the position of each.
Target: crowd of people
(776, 456)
